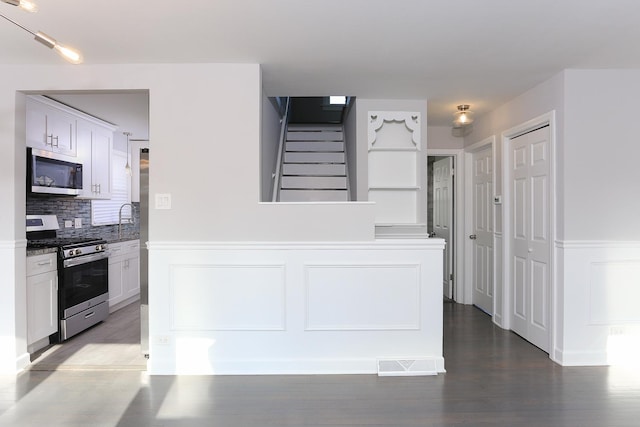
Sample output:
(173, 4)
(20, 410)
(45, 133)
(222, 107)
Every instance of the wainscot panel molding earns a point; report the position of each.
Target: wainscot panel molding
(362, 297)
(237, 297)
(293, 308)
(598, 295)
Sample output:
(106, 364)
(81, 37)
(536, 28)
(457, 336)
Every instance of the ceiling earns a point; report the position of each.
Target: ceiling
(482, 53)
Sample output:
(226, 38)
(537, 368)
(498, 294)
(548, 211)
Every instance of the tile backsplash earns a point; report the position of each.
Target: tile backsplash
(67, 209)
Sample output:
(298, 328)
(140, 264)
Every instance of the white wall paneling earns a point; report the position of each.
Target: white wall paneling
(599, 303)
(238, 297)
(287, 308)
(363, 297)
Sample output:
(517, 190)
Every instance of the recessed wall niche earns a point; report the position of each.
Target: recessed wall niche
(395, 176)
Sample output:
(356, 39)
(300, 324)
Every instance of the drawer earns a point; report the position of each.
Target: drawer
(124, 248)
(38, 264)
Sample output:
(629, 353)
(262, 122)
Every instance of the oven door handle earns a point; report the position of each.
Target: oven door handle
(85, 259)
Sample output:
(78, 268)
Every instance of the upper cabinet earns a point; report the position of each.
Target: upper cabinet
(49, 127)
(95, 143)
(55, 127)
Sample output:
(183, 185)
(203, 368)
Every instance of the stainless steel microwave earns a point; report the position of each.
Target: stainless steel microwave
(51, 173)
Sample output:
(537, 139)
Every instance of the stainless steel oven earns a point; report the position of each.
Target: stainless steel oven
(83, 275)
(83, 286)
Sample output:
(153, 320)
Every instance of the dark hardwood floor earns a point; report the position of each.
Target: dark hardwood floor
(494, 378)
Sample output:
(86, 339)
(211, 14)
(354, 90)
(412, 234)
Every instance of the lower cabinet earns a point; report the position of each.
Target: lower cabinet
(42, 297)
(124, 273)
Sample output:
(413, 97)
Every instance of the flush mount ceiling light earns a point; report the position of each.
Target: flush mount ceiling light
(462, 117)
(68, 53)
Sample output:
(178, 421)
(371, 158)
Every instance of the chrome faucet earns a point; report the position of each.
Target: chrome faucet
(131, 221)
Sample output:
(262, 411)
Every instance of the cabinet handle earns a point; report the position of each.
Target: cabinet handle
(49, 137)
(56, 138)
(99, 188)
(43, 263)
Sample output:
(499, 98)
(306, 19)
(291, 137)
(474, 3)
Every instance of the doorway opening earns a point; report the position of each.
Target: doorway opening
(441, 218)
(116, 342)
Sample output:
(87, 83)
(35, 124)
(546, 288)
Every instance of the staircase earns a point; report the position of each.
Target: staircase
(313, 166)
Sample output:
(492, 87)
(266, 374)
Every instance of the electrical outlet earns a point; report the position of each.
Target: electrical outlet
(68, 224)
(78, 222)
(162, 339)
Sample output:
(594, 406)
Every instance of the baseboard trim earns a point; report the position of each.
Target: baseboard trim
(282, 367)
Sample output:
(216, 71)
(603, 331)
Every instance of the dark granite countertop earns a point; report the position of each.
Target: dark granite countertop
(41, 251)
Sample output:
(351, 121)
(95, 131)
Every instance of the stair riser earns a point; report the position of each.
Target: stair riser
(314, 136)
(313, 196)
(311, 157)
(313, 169)
(314, 128)
(314, 182)
(331, 146)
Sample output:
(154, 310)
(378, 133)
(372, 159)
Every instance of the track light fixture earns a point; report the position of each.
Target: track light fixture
(26, 5)
(68, 53)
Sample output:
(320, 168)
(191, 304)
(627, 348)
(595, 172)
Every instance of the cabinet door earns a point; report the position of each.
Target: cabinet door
(116, 281)
(83, 142)
(61, 128)
(42, 306)
(49, 128)
(132, 276)
(101, 143)
(36, 126)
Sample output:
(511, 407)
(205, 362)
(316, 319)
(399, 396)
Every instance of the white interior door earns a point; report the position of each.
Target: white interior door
(443, 217)
(482, 237)
(530, 255)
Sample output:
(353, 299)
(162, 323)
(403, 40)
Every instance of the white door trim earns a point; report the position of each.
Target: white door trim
(461, 290)
(506, 137)
(468, 214)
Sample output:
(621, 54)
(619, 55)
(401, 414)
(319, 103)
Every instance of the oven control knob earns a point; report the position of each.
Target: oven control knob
(77, 252)
(99, 248)
(72, 252)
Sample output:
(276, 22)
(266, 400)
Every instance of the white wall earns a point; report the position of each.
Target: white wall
(440, 137)
(600, 247)
(601, 155)
(205, 155)
(269, 144)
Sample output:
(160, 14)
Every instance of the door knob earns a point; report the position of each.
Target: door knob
(473, 237)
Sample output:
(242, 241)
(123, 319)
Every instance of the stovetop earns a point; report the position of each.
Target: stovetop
(64, 243)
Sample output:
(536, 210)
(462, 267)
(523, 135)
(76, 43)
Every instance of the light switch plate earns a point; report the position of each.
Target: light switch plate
(163, 201)
(78, 223)
(68, 224)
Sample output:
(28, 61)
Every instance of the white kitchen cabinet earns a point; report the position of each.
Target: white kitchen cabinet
(42, 297)
(95, 143)
(50, 127)
(124, 273)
